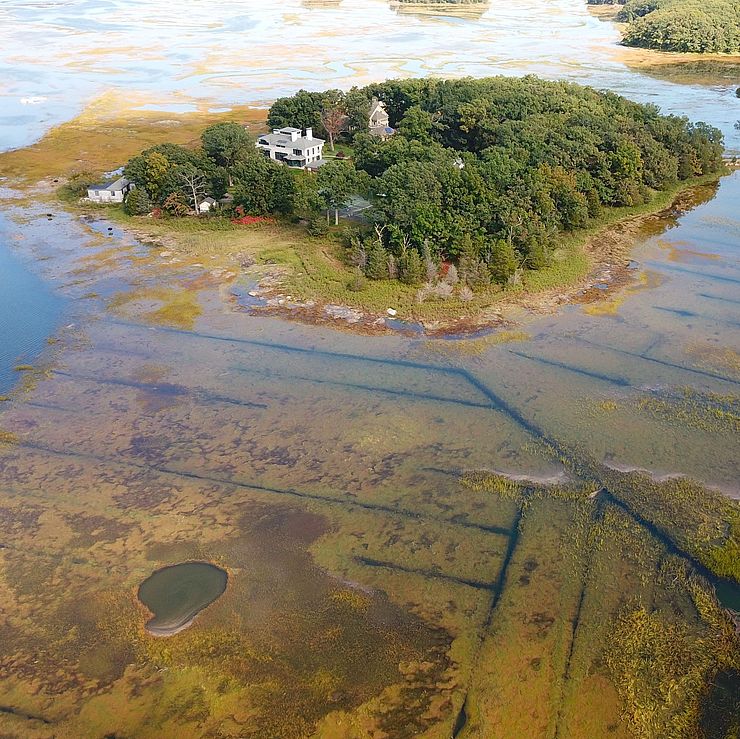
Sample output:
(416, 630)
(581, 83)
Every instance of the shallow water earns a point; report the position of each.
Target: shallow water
(368, 587)
(323, 469)
(57, 55)
(177, 593)
(29, 313)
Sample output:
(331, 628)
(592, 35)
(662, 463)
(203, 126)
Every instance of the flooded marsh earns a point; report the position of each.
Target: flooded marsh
(328, 480)
(529, 532)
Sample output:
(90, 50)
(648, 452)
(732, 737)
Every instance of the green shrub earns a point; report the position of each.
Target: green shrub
(137, 203)
(318, 226)
(411, 270)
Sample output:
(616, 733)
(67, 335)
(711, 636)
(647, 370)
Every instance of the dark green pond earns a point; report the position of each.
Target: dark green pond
(176, 594)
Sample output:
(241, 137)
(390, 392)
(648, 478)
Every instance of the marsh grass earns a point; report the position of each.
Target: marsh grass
(663, 666)
(491, 483)
(105, 136)
(178, 307)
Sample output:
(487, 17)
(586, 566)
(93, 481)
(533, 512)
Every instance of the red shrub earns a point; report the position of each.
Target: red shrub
(251, 220)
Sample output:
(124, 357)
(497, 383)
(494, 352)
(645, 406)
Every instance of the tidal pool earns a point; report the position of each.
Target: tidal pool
(178, 593)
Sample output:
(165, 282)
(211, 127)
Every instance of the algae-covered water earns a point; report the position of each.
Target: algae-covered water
(149, 53)
(382, 580)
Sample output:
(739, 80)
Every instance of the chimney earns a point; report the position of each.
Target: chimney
(294, 135)
(309, 133)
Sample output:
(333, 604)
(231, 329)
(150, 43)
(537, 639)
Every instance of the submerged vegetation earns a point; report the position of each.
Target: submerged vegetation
(664, 668)
(644, 620)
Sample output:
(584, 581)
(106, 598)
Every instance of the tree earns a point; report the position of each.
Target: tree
(410, 198)
(410, 267)
(137, 202)
(336, 182)
(333, 119)
(302, 110)
(149, 171)
(194, 185)
(263, 186)
(175, 203)
(357, 107)
(376, 266)
(503, 261)
(417, 124)
(226, 144)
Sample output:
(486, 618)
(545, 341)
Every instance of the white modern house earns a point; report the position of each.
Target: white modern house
(292, 147)
(114, 193)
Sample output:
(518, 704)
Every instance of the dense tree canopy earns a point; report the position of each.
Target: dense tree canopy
(480, 163)
(696, 26)
(317, 109)
(488, 173)
(225, 143)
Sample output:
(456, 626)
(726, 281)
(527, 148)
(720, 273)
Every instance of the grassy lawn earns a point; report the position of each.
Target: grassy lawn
(347, 149)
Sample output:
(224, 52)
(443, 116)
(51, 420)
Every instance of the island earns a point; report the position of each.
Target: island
(685, 26)
(456, 197)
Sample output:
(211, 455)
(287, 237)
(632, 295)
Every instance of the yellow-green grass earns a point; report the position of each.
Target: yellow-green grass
(105, 135)
(516, 688)
(622, 563)
(165, 306)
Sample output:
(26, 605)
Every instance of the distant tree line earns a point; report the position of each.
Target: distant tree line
(696, 26)
(486, 174)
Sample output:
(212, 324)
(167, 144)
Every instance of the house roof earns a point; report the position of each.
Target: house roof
(381, 131)
(208, 200)
(375, 106)
(316, 164)
(281, 139)
(120, 184)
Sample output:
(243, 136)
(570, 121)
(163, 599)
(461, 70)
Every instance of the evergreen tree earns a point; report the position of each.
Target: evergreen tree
(411, 269)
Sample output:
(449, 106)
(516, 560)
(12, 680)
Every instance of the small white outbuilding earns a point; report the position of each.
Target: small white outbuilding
(114, 193)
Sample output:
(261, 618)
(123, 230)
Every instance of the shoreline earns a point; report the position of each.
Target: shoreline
(269, 292)
(611, 271)
(608, 13)
(280, 271)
